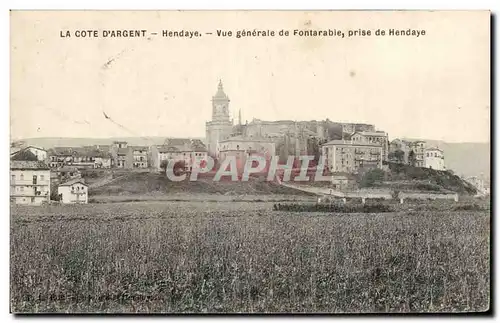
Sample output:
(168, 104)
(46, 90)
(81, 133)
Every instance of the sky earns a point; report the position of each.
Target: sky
(435, 86)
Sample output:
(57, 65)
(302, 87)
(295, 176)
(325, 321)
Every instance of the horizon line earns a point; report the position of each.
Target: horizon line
(202, 137)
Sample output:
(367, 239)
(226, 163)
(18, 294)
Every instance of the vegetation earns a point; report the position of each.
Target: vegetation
(334, 208)
(150, 183)
(397, 156)
(178, 168)
(430, 179)
(371, 177)
(223, 257)
(24, 155)
(412, 159)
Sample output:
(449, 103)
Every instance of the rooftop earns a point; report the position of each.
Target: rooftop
(349, 143)
(434, 149)
(74, 181)
(79, 151)
(371, 133)
(28, 164)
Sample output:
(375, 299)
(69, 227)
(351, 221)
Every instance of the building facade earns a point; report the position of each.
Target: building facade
(189, 151)
(373, 137)
(122, 155)
(418, 148)
(249, 146)
(140, 156)
(242, 148)
(29, 182)
(352, 156)
(80, 157)
(399, 150)
(221, 125)
(350, 128)
(73, 192)
(434, 158)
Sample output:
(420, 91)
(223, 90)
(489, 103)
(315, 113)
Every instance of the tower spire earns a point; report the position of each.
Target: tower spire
(239, 117)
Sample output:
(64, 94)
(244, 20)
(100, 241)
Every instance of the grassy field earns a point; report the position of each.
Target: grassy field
(244, 257)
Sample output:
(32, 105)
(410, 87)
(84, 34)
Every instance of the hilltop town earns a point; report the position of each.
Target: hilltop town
(42, 174)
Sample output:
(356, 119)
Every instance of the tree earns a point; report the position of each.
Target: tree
(313, 148)
(397, 156)
(164, 165)
(54, 195)
(179, 167)
(412, 159)
(371, 177)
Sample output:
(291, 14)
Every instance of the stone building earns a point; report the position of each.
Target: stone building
(418, 148)
(190, 151)
(352, 156)
(399, 150)
(373, 137)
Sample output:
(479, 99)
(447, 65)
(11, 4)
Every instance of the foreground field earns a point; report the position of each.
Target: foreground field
(244, 257)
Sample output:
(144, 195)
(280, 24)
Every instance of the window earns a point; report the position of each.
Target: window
(22, 176)
(22, 188)
(13, 177)
(42, 177)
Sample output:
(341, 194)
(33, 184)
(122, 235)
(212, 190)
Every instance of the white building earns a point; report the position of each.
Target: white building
(29, 182)
(434, 158)
(73, 192)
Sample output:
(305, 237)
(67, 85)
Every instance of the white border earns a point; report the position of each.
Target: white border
(493, 5)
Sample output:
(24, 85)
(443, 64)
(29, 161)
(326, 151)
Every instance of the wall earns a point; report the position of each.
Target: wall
(269, 148)
(216, 131)
(345, 158)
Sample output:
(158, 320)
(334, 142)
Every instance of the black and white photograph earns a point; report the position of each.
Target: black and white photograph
(250, 162)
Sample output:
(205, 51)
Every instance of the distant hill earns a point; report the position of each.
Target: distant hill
(52, 142)
(465, 159)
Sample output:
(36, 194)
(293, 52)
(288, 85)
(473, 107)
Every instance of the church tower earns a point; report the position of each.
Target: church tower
(220, 104)
(221, 126)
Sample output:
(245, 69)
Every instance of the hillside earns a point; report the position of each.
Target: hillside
(407, 178)
(146, 183)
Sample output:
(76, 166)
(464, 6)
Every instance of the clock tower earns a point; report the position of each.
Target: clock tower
(221, 126)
